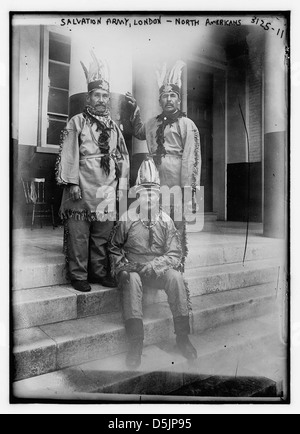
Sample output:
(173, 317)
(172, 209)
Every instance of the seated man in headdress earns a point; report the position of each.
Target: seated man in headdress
(93, 159)
(145, 249)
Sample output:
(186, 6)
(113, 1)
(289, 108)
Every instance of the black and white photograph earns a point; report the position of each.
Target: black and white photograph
(149, 208)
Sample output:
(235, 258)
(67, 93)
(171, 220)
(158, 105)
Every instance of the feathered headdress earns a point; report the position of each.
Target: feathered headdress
(170, 80)
(97, 76)
(148, 176)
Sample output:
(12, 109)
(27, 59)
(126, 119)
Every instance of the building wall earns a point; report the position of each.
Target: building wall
(236, 99)
(244, 169)
(244, 87)
(29, 68)
(219, 145)
(255, 115)
(27, 162)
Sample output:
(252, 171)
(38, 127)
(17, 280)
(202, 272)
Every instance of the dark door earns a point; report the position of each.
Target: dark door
(200, 110)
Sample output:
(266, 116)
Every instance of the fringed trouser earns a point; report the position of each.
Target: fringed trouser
(181, 228)
(86, 248)
(173, 284)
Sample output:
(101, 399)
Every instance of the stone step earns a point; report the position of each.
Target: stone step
(230, 352)
(200, 222)
(52, 347)
(231, 252)
(201, 217)
(34, 272)
(46, 305)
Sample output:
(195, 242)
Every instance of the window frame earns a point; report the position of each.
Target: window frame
(42, 145)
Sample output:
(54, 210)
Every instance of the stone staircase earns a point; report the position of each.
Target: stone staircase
(227, 353)
(57, 329)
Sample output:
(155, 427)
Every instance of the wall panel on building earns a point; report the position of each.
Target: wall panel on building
(237, 150)
(219, 145)
(29, 84)
(244, 198)
(255, 116)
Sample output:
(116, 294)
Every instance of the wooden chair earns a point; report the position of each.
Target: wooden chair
(34, 191)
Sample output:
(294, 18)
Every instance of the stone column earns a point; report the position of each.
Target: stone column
(145, 91)
(275, 137)
(184, 80)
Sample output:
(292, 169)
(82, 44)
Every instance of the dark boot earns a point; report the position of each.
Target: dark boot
(109, 282)
(81, 285)
(182, 330)
(135, 333)
(106, 281)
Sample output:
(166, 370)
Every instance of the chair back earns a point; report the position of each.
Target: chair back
(34, 190)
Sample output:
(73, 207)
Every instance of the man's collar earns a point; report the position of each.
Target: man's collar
(103, 119)
(171, 117)
(92, 111)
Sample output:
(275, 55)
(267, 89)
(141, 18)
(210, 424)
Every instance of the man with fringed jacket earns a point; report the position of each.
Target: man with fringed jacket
(145, 250)
(93, 163)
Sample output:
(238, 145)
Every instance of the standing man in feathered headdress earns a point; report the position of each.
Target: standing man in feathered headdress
(92, 164)
(145, 249)
(173, 139)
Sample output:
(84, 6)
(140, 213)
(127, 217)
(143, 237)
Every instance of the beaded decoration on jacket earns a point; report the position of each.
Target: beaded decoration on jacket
(164, 120)
(150, 224)
(104, 125)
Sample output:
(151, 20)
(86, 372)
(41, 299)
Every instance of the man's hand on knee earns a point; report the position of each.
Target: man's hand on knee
(146, 271)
